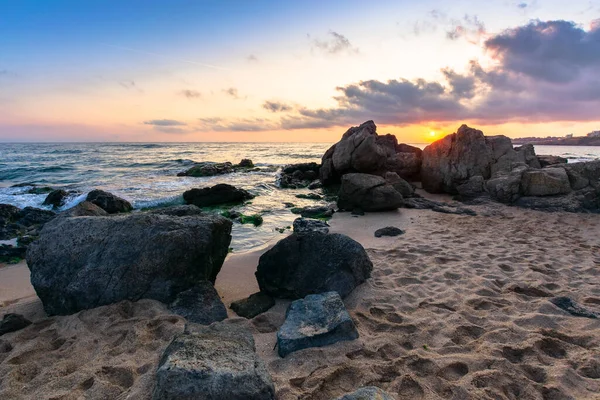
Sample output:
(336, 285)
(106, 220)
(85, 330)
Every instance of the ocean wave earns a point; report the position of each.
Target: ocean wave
(158, 203)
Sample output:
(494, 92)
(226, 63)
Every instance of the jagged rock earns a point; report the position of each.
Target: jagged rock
(546, 160)
(308, 263)
(213, 362)
(302, 225)
(254, 305)
(13, 323)
(367, 192)
(30, 216)
(506, 188)
(367, 393)
(388, 231)
(568, 305)
(109, 202)
(545, 182)
(215, 195)
(56, 198)
(200, 304)
(314, 212)
(401, 186)
(299, 175)
(315, 321)
(454, 159)
(85, 262)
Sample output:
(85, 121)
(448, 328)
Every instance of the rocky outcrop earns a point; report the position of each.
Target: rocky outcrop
(253, 305)
(506, 188)
(545, 182)
(304, 225)
(368, 193)
(200, 304)
(216, 195)
(310, 263)
(315, 321)
(296, 176)
(209, 168)
(403, 187)
(15, 222)
(84, 262)
(213, 362)
(547, 160)
(109, 202)
(362, 150)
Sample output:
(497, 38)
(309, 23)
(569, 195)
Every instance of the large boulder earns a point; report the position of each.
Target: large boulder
(85, 262)
(315, 321)
(545, 182)
(109, 202)
(56, 198)
(547, 160)
(216, 195)
(309, 263)
(401, 185)
(451, 161)
(506, 188)
(253, 305)
(368, 192)
(362, 150)
(213, 362)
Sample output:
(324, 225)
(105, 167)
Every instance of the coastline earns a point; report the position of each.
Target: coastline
(448, 311)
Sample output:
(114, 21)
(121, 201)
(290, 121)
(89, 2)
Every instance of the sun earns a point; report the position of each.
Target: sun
(432, 134)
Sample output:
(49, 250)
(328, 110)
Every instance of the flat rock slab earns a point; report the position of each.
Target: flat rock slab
(367, 393)
(317, 320)
(253, 305)
(200, 304)
(213, 362)
(389, 231)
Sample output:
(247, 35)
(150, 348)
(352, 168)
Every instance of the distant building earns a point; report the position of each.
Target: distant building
(569, 135)
(594, 134)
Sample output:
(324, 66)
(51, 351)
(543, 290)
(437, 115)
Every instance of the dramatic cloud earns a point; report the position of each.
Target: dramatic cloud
(335, 44)
(165, 122)
(541, 72)
(276, 106)
(190, 94)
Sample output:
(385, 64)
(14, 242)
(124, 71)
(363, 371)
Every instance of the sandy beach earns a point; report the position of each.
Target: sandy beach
(456, 308)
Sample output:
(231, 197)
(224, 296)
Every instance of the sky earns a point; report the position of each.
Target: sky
(291, 71)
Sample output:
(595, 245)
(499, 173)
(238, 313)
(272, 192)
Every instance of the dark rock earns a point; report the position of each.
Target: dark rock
(8, 213)
(84, 209)
(506, 188)
(40, 190)
(315, 321)
(454, 159)
(178, 211)
(289, 205)
(313, 263)
(315, 185)
(109, 202)
(309, 196)
(388, 231)
(299, 175)
(56, 198)
(30, 216)
(407, 163)
(314, 212)
(473, 187)
(215, 195)
(584, 200)
(85, 262)
(568, 305)
(545, 182)
(546, 160)
(367, 393)
(401, 186)
(26, 240)
(254, 305)
(367, 192)
(302, 225)
(200, 304)
(245, 163)
(9, 253)
(357, 212)
(208, 168)
(213, 362)
(13, 323)
(421, 203)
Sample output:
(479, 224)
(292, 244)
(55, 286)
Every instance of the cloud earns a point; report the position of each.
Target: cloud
(190, 94)
(164, 122)
(128, 84)
(540, 72)
(469, 27)
(335, 44)
(237, 125)
(522, 5)
(233, 92)
(276, 106)
(252, 58)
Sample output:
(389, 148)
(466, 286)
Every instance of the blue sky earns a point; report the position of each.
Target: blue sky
(104, 70)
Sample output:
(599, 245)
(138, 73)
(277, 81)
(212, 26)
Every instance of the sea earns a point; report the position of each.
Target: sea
(146, 175)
